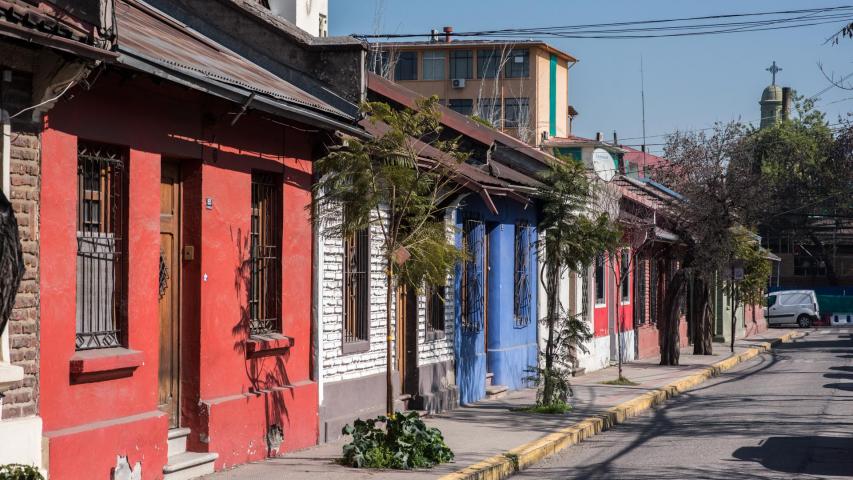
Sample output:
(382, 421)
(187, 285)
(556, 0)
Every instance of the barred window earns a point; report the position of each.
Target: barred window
(435, 311)
(640, 291)
(599, 280)
(265, 261)
(101, 234)
(585, 294)
(625, 276)
(471, 291)
(521, 304)
(357, 287)
(654, 280)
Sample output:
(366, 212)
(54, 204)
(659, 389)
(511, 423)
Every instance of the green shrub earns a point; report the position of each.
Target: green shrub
(405, 442)
(19, 472)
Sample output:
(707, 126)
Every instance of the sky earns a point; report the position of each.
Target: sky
(690, 82)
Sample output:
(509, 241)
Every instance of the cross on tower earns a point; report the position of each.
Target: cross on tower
(773, 69)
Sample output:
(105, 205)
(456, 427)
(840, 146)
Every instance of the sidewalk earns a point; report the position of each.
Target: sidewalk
(481, 434)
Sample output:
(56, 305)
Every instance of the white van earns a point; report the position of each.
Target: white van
(792, 306)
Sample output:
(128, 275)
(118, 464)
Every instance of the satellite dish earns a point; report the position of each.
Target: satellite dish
(603, 164)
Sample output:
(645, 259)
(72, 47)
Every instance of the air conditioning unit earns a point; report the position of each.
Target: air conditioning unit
(458, 82)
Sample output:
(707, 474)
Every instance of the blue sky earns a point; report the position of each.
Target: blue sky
(690, 82)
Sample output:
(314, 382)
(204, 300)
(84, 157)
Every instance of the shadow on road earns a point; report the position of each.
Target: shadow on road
(819, 456)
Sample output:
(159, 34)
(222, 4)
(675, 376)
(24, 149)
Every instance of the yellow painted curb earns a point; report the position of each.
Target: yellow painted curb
(519, 458)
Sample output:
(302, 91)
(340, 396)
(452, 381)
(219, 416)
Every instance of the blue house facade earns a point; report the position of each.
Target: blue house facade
(496, 291)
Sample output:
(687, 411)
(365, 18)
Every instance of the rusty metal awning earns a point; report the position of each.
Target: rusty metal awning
(153, 42)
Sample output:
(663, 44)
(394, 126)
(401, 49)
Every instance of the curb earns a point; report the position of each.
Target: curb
(519, 458)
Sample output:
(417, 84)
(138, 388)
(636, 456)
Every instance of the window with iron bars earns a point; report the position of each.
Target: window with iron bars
(101, 235)
(654, 286)
(435, 311)
(265, 260)
(471, 291)
(585, 294)
(357, 287)
(640, 291)
(521, 304)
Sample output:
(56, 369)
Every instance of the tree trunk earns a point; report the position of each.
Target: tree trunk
(668, 331)
(700, 318)
(552, 292)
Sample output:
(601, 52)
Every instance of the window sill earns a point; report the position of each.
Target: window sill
(435, 336)
(267, 345)
(10, 374)
(356, 347)
(104, 364)
(600, 305)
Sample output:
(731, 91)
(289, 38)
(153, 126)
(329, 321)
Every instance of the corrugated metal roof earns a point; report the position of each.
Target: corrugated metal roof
(150, 34)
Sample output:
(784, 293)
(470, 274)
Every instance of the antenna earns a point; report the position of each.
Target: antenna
(643, 101)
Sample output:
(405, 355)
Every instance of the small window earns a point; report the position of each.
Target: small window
(654, 289)
(599, 280)
(465, 106)
(516, 112)
(518, 65)
(101, 235)
(435, 311)
(265, 260)
(407, 66)
(585, 294)
(461, 64)
(488, 63)
(434, 65)
(625, 276)
(489, 109)
(521, 304)
(357, 288)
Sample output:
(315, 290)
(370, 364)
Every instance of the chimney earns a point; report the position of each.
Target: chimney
(599, 136)
(448, 31)
(787, 95)
(615, 138)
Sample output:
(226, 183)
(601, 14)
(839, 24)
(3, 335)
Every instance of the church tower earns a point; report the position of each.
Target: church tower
(771, 101)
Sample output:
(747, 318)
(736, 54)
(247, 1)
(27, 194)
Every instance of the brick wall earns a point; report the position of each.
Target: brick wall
(24, 323)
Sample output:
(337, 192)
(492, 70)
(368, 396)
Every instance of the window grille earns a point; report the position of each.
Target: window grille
(471, 291)
(585, 294)
(101, 234)
(357, 286)
(435, 297)
(640, 292)
(599, 280)
(522, 275)
(406, 67)
(654, 289)
(265, 261)
(625, 276)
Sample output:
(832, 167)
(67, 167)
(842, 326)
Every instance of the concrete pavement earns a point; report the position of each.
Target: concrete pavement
(489, 428)
(785, 414)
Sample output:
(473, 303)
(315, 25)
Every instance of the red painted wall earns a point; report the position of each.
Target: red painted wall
(220, 395)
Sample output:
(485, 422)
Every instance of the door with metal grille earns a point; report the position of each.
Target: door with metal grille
(170, 291)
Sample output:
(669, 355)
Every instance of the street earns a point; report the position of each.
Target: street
(786, 414)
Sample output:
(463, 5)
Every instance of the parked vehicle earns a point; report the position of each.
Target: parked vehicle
(792, 306)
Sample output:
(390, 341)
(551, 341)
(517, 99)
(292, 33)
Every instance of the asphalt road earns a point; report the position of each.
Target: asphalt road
(786, 414)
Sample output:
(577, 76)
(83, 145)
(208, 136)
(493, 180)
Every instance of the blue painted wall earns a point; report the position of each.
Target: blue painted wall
(512, 345)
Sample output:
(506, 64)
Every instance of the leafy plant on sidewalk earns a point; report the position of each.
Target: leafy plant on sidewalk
(19, 472)
(404, 443)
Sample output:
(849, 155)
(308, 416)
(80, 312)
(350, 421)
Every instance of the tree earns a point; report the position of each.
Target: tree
(716, 191)
(388, 182)
(574, 235)
(757, 269)
(11, 260)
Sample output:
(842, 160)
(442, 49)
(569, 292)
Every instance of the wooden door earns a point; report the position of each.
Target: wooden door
(170, 291)
(407, 339)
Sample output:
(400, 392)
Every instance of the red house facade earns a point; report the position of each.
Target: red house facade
(177, 249)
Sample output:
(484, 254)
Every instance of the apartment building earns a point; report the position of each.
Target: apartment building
(519, 87)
